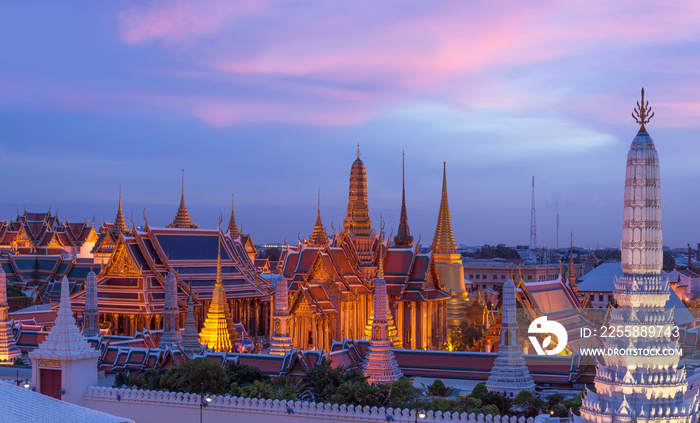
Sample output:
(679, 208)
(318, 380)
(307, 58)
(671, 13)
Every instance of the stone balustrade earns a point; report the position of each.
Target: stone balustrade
(148, 406)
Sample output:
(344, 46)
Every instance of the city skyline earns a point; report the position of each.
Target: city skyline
(268, 101)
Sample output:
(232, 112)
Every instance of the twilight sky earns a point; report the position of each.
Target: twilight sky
(268, 99)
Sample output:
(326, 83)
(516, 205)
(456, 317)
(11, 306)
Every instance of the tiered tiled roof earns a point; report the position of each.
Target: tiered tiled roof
(134, 279)
(43, 233)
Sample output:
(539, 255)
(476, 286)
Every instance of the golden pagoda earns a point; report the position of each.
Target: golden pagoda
(182, 218)
(448, 263)
(218, 331)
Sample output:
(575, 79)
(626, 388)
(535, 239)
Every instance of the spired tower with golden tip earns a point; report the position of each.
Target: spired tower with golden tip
(448, 263)
(645, 384)
(218, 332)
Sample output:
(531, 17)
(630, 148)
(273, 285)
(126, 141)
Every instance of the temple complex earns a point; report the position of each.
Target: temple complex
(509, 375)
(641, 387)
(380, 365)
(331, 281)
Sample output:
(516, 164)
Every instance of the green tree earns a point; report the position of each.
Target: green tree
(323, 380)
(402, 393)
(438, 389)
(195, 375)
(524, 396)
(479, 391)
(244, 375)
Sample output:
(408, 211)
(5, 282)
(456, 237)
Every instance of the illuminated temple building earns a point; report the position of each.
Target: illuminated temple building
(331, 281)
(43, 233)
(131, 286)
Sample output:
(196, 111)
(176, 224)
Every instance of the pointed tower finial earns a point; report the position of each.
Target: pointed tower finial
(119, 223)
(182, 218)
(641, 113)
(358, 151)
(318, 237)
(403, 236)
(444, 240)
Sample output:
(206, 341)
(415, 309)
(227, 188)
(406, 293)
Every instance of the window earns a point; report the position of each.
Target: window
(484, 286)
(495, 276)
(484, 276)
(477, 276)
(503, 277)
(529, 277)
(471, 276)
(592, 297)
(600, 297)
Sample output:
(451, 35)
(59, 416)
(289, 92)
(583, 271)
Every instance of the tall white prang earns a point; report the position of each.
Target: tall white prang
(635, 386)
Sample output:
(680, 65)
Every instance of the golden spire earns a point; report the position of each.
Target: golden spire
(318, 236)
(232, 227)
(182, 218)
(119, 223)
(218, 331)
(641, 113)
(358, 154)
(444, 240)
(403, 236)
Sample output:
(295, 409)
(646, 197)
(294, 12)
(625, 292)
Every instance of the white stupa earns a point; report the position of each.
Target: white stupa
(641, 388)
(509, 375)
(64, 364)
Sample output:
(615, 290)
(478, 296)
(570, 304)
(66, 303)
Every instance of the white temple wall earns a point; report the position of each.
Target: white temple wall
(150, 406)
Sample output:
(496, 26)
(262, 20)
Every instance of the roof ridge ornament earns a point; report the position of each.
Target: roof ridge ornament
(641, 113)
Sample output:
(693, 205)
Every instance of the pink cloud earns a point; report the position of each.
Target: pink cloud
(181, 20)
(353, 60)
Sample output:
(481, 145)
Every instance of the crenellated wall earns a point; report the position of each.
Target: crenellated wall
(149, 406)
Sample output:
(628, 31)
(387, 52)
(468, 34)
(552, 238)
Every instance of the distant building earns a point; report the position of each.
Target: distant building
(489, 274)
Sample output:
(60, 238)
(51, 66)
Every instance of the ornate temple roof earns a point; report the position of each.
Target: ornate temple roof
(119, 223)
(134, 279)
(43, 233)
(444, 240)
(182, 218)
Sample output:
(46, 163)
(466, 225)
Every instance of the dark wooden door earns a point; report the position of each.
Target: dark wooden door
(51, 382)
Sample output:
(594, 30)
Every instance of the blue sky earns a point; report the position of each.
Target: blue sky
(267, 100)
